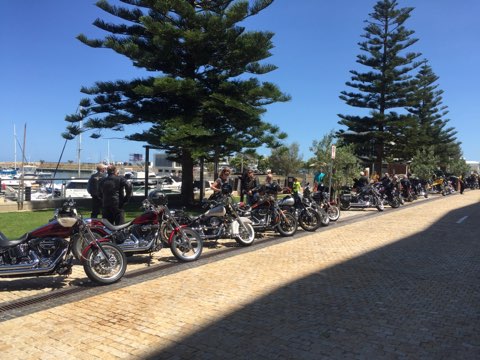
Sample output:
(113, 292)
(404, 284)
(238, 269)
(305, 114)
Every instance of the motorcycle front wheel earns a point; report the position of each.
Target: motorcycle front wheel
(287, 225)
(103, 269)
(79, 242)
(186, 245)
(333, 212)
(246, 235)
(309, 220)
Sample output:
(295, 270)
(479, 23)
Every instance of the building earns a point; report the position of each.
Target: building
(474, 165)
(164, 166)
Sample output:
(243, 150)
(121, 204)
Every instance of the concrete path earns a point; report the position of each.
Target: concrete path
(400, 285)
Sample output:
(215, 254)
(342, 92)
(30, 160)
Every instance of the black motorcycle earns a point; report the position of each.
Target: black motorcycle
(309, 216)
(367, 197)
(321, 198)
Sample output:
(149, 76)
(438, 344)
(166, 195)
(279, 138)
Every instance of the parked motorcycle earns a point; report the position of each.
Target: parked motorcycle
(143, 234)
(308, 216)
(45, 250)
(389, 194)
(369, 197)
(266, 214)
(222, 220)
(321, 197)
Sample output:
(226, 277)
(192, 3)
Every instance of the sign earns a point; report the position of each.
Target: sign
(333, 151)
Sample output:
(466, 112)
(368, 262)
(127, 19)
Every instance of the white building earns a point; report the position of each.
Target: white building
(474, 165)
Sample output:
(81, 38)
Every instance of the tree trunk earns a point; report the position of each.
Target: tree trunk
(187, 178)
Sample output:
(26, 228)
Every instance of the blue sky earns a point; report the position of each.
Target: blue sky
(43, 66)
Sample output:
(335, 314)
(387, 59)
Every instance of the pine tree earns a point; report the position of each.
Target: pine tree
(387, 85)
(200, 102)
(431, 128)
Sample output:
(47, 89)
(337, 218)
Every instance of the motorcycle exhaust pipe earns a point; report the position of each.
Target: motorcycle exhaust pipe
(30, 268)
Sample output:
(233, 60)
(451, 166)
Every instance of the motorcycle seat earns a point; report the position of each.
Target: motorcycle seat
(6, 242)
(110, 226)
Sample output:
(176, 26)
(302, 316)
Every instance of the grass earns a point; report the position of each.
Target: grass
(15, 224)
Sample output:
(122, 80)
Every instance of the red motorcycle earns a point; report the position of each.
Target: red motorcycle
(149, 232)
(45, 250)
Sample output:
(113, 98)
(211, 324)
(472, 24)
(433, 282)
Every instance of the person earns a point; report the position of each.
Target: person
(93, 189)
(361, 183)
(269, 177)
(296, 187)
(223, 179)
(115, 192)
(318, 180)
(250, 187)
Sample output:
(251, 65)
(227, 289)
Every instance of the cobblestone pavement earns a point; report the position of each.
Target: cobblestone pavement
(399, 285)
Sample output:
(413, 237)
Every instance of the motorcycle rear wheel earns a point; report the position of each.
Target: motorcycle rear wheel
(187, 247)
(288, 225)
(107, 270)
(245, 237)
(309, 220)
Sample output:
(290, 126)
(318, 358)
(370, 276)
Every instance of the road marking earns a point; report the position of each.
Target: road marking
(462, 219)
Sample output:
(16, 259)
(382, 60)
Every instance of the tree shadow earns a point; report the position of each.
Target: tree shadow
(418, 298)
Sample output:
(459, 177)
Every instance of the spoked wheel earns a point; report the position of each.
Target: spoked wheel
(288, 225)
(79, 242)
(333, 212)
(309, 220)
(324, 219)
(246, 235)
(105, 269)
(379, 204)
(186, 244)
(394, 203)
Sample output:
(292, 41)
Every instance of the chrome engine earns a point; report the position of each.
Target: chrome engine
(138, 238)
(211, 227)
(36, 256)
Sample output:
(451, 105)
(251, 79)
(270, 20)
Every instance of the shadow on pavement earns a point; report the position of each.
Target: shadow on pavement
(417, 298)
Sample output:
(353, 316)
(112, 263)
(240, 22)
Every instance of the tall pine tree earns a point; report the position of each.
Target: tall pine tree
(431, 128)
(200, 100)
(387, 85)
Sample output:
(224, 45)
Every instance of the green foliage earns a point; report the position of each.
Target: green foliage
(202, 103)
(386, 85)
(458, 167)
(424, 163)
(345, 166)
(286, 160)
(431, 128)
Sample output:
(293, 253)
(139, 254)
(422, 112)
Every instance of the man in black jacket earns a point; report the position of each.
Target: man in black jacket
(115, 192)
(93, 189)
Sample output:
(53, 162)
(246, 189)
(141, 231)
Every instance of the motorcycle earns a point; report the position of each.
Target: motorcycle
(389, 194)
(369, 197)
(221, 221)
(267, 215)
(320, 197)
(143, 235)
(419, 187)
(45, 250)
(308, 216)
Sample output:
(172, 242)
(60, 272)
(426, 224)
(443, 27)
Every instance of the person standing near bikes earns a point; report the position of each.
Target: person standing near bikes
(93, 189)
(115, 192)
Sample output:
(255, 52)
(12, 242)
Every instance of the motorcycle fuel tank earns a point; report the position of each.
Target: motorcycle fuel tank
(216, 211)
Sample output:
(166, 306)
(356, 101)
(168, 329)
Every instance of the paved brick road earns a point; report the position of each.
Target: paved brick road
(403, 285)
